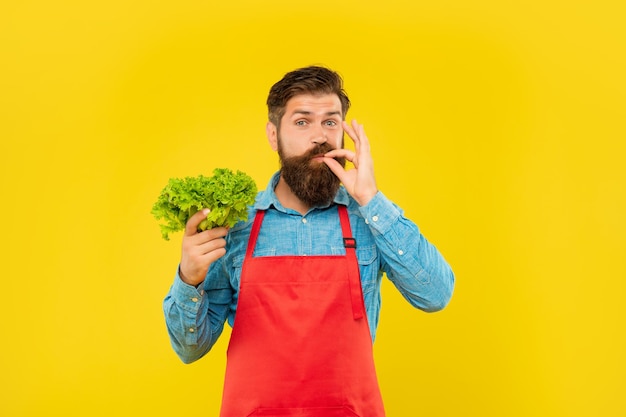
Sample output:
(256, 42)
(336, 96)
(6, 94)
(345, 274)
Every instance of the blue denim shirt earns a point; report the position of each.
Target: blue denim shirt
(387, 242)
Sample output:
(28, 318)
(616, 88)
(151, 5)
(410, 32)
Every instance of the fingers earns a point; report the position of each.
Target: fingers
(352, 130)
(356, 132)
(208, 251)
(351, 133)
(360, 181)
(199, 251)
(191, 227)
(202, 242)
(335, 167)
(341, 153)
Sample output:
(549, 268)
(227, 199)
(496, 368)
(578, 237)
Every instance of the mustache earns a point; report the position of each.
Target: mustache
(319, 149)
(322, 149)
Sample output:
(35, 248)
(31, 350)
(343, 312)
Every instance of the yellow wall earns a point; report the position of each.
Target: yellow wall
(497, 126)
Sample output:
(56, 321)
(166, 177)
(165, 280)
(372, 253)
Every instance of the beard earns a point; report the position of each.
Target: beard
(311, 181)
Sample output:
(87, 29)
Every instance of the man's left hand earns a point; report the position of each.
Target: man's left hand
(360, 181)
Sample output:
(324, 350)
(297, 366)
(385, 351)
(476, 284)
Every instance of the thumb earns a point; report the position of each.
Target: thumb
(336, 168)
(191, 228)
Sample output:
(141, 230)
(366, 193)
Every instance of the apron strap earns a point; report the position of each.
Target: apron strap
(354, 280)
(254, 233)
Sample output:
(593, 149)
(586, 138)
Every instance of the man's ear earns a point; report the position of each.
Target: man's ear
(272, 135)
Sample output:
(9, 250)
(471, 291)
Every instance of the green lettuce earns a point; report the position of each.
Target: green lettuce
(228, 195)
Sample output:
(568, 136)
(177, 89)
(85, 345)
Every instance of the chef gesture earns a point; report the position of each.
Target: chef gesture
(299, 280)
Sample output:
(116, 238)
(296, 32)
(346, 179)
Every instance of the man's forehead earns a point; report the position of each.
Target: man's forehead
(314, 103)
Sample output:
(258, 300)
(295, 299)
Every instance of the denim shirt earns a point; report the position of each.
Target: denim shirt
(387, 243)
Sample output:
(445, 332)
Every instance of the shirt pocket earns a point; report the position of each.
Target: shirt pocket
(368, 265)
(367, 257)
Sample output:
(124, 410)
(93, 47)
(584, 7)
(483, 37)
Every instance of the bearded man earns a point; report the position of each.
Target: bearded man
(299, 281)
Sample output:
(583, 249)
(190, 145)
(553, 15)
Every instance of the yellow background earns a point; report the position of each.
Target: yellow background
(497, 126)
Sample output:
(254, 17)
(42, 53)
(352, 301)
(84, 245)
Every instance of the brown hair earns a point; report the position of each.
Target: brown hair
(307, 80)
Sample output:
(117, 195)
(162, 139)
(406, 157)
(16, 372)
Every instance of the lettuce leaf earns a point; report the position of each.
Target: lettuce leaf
(228, 195)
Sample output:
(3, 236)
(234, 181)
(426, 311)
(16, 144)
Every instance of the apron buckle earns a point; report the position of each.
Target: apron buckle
(349, 242)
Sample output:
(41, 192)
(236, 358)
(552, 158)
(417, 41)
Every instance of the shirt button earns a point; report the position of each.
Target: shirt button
(375, 218)
(194, 299)
(303, 220)
(191, 330)
(400, 252)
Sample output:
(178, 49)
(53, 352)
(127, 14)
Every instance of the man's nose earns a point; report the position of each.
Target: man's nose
(319, 135)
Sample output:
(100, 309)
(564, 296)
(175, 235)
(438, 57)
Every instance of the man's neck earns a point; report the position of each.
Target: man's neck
(288, 199)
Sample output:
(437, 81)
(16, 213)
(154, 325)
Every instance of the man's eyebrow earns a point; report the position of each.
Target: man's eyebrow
(307, 112)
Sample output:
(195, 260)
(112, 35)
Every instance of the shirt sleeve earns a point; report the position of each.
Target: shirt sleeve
(195, 316)
(413, 264)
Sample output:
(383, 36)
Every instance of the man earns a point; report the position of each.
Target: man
(303, 273)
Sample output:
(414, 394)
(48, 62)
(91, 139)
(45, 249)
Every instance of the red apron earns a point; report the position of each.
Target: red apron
(300, 344)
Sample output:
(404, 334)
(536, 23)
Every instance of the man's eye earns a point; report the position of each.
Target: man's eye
(300, 123)
(331, 123)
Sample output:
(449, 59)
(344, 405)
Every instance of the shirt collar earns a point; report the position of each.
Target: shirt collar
(267, 198)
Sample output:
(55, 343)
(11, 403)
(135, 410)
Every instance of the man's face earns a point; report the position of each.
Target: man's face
(310, 120)
(310, 127)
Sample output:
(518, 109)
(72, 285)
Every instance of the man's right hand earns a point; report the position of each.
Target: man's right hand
(200, 249)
